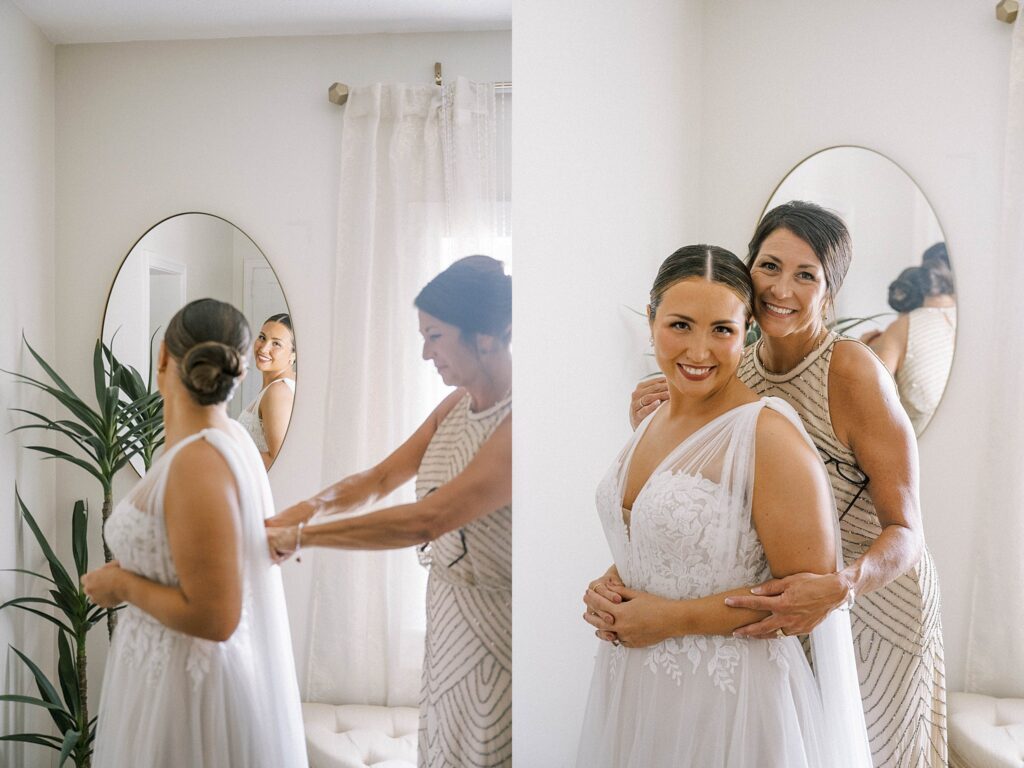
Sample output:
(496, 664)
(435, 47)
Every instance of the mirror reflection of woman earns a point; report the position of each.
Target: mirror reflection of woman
(461, 458)
(266, 417)
(718, 486)
(798, 256)
(200, 670)
(917, 347)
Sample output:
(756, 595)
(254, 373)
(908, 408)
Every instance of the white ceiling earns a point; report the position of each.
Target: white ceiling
(110, 21)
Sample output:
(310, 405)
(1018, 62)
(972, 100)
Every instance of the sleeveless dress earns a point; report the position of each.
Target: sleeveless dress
(171, 700)
(250, 417)
(704, 701)
(466, 699)
(921, 379)
(897, 630)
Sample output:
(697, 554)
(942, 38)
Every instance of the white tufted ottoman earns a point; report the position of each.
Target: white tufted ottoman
(358, 736)
(985, 732)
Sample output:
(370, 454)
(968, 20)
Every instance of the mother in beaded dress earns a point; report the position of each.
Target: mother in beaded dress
(799, 256)
(200, 670)
(461, 457)
(718, 487)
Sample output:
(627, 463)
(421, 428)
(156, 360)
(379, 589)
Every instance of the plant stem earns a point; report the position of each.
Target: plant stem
(108, 504)
(83, 755)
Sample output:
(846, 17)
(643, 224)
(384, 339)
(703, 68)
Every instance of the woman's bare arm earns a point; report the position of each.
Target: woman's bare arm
(275, 413)
(866, 416)
(201, 512)
(378, 481)
(482, 487)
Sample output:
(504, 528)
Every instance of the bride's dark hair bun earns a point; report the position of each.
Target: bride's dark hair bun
(210, 371)
(209, 339)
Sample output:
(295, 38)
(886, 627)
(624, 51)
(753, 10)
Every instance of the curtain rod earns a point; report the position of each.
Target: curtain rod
(1007, 10)
(338, 92)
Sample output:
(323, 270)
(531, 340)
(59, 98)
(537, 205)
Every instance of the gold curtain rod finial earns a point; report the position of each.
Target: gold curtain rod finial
(338, 93)
(1007, 10)
(437, 73)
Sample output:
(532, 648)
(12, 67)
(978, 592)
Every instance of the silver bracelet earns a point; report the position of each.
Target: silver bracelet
(298, 541)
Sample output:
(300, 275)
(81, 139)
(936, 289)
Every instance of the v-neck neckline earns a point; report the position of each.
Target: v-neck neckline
(658, 469)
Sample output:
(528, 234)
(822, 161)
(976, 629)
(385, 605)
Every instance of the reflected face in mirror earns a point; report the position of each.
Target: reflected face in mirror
(274, 350)
(698, 331)
(789, 286)
(455, 360)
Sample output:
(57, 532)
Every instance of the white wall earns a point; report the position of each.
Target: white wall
(26, 305)
(926, 86)
(605, 162)
(242, 129)
(645, 127)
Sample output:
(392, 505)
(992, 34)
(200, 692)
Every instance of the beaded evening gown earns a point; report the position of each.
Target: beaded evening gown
(466, 698)
(171, 700)
(897, 630)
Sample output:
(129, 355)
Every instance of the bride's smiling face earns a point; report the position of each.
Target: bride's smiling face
(698, 332)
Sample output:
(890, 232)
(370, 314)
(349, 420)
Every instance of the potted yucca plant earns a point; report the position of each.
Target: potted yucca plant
(126, 421)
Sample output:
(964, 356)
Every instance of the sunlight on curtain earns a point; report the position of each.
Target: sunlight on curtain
(422, 184)
(995, 644)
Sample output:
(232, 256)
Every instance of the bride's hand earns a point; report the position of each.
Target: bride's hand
(638, 621)
(295, 514)
(599, 597)
(103, 585)
(282, 541)
(798, 603)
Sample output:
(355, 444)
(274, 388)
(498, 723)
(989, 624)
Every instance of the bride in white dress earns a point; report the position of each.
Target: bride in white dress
(718, 487)
(200, 669)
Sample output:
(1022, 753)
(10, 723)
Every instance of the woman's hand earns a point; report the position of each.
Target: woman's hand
(798, 603)
(295, 514)
(640, 620)
(282, 542)
(599, 597)
(103, 585)
(647, 396)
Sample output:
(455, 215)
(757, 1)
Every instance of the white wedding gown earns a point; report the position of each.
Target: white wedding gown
(710, 701)
(170, 700)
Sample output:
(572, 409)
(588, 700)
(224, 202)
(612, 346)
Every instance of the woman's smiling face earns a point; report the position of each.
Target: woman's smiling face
(789, 286)
(274, 348)
(698, 332)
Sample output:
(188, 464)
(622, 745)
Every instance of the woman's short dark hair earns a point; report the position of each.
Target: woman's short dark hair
(284, 319)
(474, 294)
(708, 262)
(821, 229)
(907, 292)
(209, 341)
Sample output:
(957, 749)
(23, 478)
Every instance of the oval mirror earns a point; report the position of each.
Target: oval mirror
(898, 296)
(192, 256)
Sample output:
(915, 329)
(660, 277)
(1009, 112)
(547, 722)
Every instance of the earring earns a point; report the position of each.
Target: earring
(651, 341)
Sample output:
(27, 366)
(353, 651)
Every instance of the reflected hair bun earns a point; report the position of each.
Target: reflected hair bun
(907, 292)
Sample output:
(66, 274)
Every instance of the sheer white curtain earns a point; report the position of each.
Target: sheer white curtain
(996, 640)
(418, 189)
